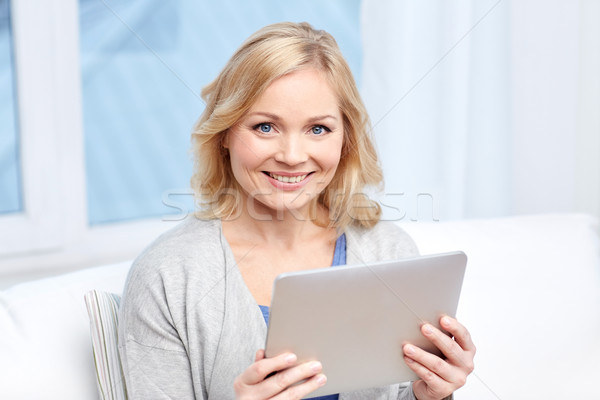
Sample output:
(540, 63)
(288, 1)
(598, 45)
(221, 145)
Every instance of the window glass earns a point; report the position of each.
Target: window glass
(144, 63)
(10, 183)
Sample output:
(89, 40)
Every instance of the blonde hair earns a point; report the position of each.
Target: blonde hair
(270, 53)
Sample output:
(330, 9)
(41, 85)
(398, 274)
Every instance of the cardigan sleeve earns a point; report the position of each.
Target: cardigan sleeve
(154, 357)
(168, 330)
(405, 392)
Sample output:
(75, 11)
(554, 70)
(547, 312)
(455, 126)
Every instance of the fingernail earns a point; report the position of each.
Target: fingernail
(445, 321)
(315, 366)
(290, 359)
(409, 350)
(428, 329)
(321, 379)
(409, 360)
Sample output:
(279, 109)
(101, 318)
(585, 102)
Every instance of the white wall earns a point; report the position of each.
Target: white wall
(544, 69)
(587, 182)
(491, 106)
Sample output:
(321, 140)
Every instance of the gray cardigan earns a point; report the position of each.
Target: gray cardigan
(188, 324)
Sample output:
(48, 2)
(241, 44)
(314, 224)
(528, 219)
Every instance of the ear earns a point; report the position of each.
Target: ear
(225, 140)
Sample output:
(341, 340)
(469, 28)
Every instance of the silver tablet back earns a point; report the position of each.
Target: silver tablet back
(355, 319)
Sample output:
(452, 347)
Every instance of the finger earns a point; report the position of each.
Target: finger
(285, 379)
(433, 381)
(257, 372)
(260, 354)
(447, 345)
(432, 363)
(455, 354)
(430, 384)
(460, 333)
(301, 390)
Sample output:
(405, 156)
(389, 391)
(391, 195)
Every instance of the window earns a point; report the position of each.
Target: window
(143, 64)
(104, 127)
(10, 181)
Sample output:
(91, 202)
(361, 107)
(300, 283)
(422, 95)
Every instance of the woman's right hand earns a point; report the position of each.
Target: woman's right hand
(277, 378)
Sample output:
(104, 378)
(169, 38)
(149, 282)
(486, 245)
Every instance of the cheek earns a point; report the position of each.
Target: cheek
(243, 155)
(333, 160)
(331, 155)
(242, 166)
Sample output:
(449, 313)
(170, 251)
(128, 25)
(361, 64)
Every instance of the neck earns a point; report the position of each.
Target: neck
(283, 229)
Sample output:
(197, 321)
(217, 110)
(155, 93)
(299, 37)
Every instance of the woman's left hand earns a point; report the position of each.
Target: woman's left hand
(441, 377)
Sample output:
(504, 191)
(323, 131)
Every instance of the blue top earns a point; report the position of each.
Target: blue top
(339, 258)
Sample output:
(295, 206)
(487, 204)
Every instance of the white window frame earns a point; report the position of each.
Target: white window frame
(52, 234)
(36, 228)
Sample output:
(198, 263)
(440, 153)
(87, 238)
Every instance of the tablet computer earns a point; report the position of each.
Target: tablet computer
(355, 319)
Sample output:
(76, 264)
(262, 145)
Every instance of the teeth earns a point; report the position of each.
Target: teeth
(287, 179)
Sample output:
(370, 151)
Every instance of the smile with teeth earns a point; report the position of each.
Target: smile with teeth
(288, 179)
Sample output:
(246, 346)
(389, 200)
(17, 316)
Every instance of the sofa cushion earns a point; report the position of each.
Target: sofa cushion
(531, 299)
(45, 343)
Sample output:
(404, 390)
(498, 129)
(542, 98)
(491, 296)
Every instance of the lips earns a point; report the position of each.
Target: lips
(288, 178)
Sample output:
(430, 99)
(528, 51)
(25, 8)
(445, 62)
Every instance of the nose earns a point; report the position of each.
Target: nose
(292, 150)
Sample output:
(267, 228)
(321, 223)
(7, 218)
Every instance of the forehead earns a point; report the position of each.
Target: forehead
(306, 91)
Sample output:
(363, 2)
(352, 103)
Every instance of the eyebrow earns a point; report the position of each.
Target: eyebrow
(277, 118)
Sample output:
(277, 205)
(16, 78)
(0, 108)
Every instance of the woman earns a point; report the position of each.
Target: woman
(282, 156)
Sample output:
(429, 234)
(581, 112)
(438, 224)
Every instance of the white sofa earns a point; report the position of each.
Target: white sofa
(531, 299)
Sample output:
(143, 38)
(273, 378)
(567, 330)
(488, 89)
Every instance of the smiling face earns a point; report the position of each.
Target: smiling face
(285, 150)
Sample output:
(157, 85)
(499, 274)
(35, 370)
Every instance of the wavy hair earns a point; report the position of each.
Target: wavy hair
(270, 53)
